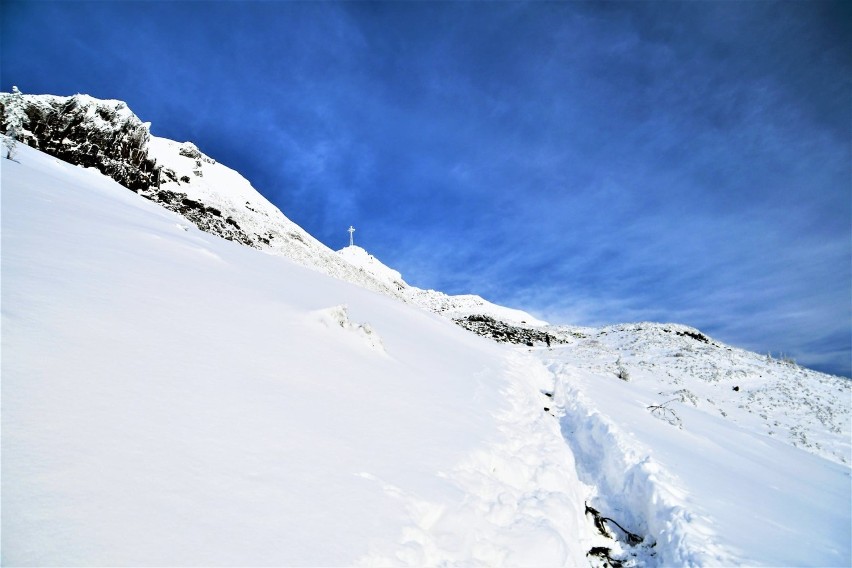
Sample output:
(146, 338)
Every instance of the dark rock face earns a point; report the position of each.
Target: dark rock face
(696, 336)
(86, 132)
(105, 135)
(208, 219)
(502, 332)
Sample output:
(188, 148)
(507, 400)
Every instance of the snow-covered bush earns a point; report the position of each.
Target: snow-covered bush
(338, 317)
(621, 371)
(13, 117)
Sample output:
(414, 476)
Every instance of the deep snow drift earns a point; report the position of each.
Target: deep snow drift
(171, 398)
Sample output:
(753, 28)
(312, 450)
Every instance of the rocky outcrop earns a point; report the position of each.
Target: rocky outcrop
(91, 133)
(206, 218)
(502, 332)
(107, 135)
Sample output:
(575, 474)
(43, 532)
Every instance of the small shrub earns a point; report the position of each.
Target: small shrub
(620, 371)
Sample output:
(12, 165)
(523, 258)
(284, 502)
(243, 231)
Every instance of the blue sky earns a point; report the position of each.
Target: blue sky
(591, 163)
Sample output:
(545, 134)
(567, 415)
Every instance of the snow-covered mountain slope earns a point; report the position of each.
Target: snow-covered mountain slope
(687, 369)
(171, 398)
(715, 491)
(753, 450)
(206, 185)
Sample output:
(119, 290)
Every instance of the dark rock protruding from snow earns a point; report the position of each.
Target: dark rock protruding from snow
(91, 133)
(503, 332)
(106, 135)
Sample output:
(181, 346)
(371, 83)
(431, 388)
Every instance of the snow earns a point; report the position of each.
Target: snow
(172, 398)
(358, 257)
(729, 478)
(452, 307)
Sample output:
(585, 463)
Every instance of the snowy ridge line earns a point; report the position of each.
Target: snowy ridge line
(107, 135)
(451, 307)
(631, 487)
(520, 503)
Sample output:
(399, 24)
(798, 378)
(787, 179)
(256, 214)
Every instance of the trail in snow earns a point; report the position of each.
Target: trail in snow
(709, 491)
(522, 500)
(630, 486)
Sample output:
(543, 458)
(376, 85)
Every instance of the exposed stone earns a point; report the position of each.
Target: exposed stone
(189, 150)
(502, 332)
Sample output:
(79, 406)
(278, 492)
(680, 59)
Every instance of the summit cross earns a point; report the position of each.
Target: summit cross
(351, 230)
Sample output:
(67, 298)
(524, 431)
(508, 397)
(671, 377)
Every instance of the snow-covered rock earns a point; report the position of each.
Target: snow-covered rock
(102, 134)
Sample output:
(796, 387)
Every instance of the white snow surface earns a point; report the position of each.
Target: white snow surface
(171, 398)
(758, 476)
(450, 306)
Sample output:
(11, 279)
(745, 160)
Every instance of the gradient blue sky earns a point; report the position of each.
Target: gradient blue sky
(591, 163)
